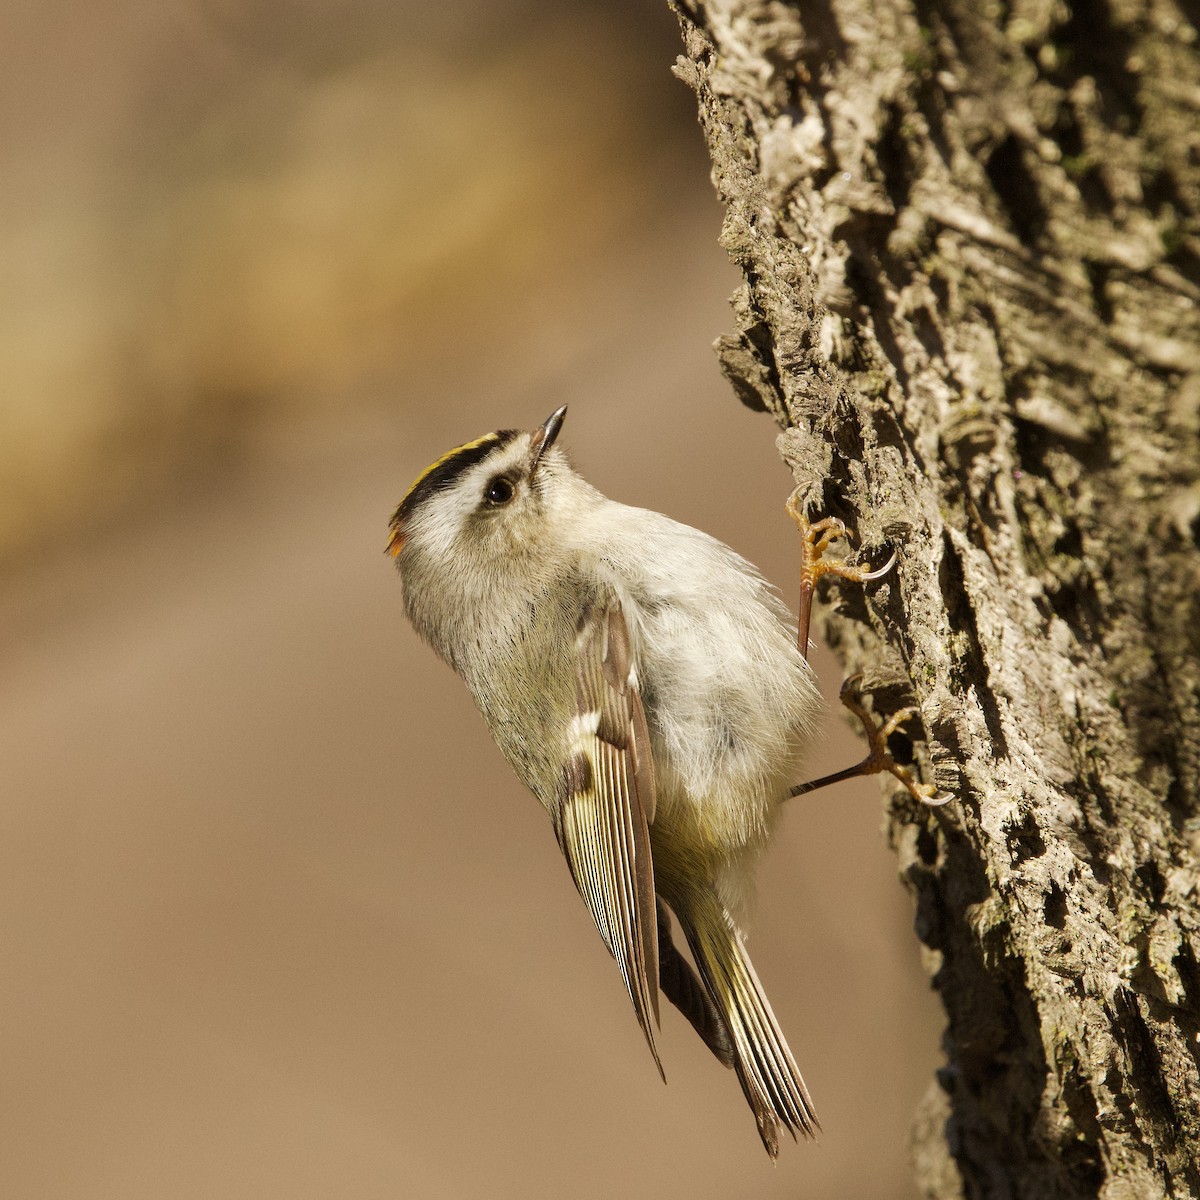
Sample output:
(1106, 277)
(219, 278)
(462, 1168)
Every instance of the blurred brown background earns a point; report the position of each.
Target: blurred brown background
(276, 920)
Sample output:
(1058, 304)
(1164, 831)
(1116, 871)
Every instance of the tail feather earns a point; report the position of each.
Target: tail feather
(770, 1080)
(690, 995)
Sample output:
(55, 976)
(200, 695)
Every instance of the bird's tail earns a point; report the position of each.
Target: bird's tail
(766, 1070)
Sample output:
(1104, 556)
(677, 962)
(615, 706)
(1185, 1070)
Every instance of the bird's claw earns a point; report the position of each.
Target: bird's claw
(815, 538)
(880, 758)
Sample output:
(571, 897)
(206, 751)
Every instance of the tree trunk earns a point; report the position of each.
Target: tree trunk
(971, 248)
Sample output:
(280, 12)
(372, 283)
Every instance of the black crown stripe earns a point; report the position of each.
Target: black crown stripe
(446, 470)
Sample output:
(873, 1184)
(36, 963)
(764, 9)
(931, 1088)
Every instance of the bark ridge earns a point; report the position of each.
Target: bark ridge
(970, 240)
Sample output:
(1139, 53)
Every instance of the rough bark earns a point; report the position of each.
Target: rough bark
(971, 248)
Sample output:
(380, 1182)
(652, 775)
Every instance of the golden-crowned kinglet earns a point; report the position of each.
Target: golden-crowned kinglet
(645, 684)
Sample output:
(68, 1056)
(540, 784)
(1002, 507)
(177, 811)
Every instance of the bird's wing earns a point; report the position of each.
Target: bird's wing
(607, 804)
(688, 993)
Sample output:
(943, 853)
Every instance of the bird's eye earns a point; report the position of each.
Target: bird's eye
(499, 491)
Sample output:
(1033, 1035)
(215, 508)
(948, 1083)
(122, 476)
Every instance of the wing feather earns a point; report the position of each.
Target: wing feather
(607, 804)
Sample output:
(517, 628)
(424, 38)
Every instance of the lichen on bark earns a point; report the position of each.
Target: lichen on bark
(970, 241)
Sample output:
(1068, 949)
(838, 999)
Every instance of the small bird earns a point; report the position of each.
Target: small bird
(646, 685)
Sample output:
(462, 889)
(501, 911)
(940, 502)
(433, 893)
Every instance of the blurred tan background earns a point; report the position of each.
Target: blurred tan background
(276, 920)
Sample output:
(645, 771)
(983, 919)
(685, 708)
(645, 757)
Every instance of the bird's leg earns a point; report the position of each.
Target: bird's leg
(880, 758)
(815, 539)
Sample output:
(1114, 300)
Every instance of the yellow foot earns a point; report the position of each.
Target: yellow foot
(880, 758)
(815, 538)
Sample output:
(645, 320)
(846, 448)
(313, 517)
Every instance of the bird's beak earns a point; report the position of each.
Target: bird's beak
(544, 435)
(396, 541)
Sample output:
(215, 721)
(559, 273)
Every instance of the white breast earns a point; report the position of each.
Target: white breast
(730, 702)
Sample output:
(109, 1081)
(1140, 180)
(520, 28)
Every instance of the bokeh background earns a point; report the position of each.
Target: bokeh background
(275, 919)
